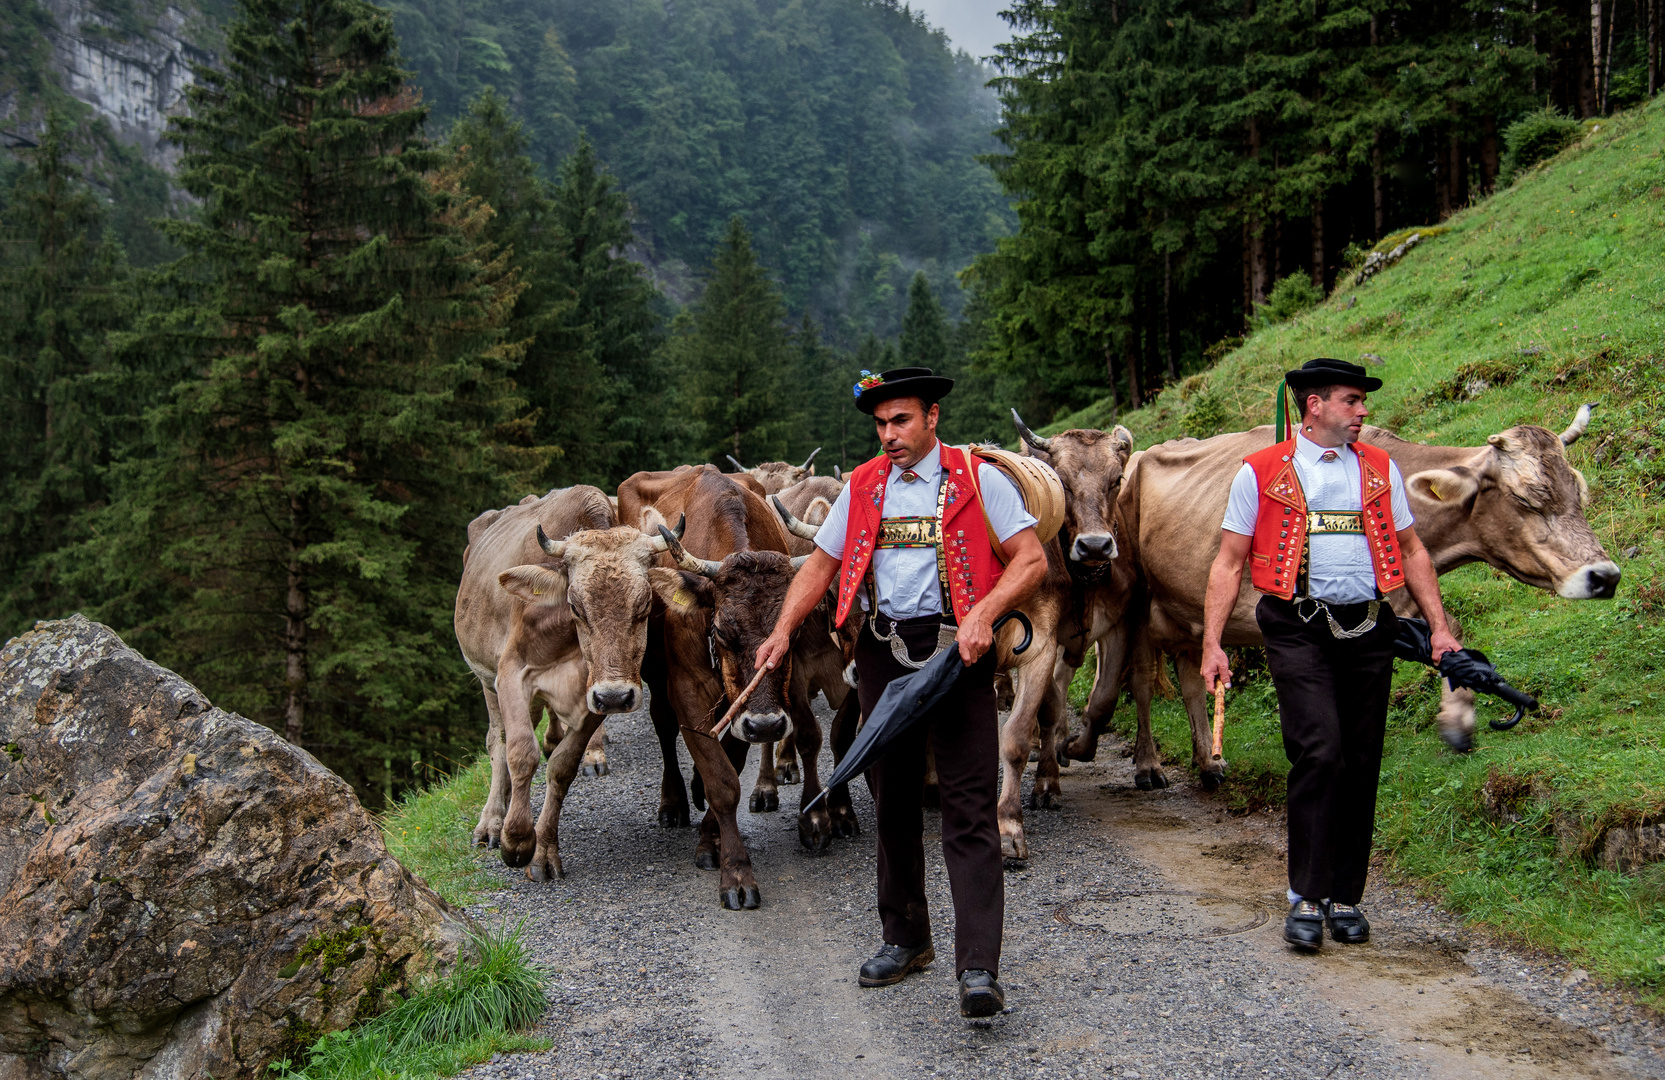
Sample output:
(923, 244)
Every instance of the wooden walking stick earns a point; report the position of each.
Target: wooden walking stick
(739, 703)
(1219, 717)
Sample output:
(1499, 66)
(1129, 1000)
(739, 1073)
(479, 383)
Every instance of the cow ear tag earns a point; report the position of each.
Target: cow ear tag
(682, 598)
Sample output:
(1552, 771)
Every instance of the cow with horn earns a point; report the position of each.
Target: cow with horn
(914, 535)
(558, 624)
(777, 476)
(734, 571)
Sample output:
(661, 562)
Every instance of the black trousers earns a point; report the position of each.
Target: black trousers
(1332, 706)
(964, 735)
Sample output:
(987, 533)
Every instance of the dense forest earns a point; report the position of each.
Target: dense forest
(1182, 170)
(410, 264)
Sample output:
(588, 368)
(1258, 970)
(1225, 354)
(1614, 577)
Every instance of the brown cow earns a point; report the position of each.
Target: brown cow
(518, 627)
(737, 571)
(1514, 504)
(776, 476)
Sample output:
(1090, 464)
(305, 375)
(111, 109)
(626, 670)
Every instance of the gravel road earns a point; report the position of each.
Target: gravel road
(1143, 939)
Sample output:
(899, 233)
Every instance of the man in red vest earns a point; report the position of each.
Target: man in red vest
(1324, 524)
(935, 546)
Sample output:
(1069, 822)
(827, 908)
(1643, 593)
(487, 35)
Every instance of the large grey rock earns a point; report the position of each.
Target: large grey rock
(182, 892)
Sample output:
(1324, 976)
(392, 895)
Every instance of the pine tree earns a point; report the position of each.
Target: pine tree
(61, 294)
(332, 432)
(926, 337)
(733, 353)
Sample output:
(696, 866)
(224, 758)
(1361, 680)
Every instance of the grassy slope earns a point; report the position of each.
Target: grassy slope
(1548, 294)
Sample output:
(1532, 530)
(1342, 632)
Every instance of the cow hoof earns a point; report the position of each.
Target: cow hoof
(787, 774)
(929, 797)
(1212, 778)
(595, 768)
(516, 859)
(764, 801)
(1014, 849)
(674, 817)
(844, 823)
(545, 870)
(1150, 779)
(1460, 741)
(815, 831)
(1044, 800)
(742, 898)
(706, 859)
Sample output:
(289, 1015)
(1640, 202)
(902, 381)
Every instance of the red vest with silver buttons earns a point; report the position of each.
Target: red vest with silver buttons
(1278, 550)
(966, 564)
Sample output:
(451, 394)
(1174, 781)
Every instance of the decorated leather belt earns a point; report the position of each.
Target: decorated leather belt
(1335, 521)
(913, 532)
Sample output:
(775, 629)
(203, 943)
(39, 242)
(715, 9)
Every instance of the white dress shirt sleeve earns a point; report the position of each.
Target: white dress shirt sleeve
(1244, 505)
(831, 537)
(1002, 502)
(1402, 518)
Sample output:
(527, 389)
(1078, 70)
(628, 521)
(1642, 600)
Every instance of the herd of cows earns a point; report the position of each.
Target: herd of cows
(583, 604)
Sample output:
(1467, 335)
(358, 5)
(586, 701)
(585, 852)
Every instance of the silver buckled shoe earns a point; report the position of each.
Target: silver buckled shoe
(1304, 928)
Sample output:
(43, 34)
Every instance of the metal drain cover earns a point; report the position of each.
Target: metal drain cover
(1164, 913)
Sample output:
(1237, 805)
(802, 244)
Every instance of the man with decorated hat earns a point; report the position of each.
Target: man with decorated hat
(1322, 520)
(935, 546)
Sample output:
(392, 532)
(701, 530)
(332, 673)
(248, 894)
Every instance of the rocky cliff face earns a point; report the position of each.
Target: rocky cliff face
(183, 894)
(135, 80)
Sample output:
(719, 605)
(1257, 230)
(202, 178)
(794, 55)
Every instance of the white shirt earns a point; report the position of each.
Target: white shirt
(1338, 566)
(906, 578)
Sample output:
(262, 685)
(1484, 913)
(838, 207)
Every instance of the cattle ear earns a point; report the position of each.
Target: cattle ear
(534, 584)
(1444, 487)
(678, 592)
(1123, 439)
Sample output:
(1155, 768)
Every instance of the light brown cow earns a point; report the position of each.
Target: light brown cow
(1514, 504)
(560, 626)
(776, 476)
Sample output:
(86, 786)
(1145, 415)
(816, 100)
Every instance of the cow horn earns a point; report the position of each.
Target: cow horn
(681, 527)
(737, 465)
(839, 476)
(797, 528)
(810, 458)
(799, 560)
(1034, 440)
(691, 563)
(553, 548)
(1580, 424)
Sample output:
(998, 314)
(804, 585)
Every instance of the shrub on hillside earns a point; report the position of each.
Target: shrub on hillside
(1290, 296)
(1537, 136)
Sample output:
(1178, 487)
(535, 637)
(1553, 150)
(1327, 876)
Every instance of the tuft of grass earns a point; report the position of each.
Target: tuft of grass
(441, 1029)
(1549, 294)
(431, 833)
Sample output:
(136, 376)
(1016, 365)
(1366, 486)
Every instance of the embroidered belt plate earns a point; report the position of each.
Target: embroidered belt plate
(913, 532)
(1335, 521)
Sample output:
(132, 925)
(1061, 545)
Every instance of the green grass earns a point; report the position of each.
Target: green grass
(431, 832)
(1548, 294)
(441, 1029)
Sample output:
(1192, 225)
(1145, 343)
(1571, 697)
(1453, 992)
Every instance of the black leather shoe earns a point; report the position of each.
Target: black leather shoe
(1304, 928)
(1348, 926)
(980, 995)
(894, 963)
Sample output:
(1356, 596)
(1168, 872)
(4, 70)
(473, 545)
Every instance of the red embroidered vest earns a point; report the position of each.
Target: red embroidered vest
(967, 565)
(1279, 546)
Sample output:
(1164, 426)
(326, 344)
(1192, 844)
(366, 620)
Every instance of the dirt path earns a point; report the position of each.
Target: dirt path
(1142, 940)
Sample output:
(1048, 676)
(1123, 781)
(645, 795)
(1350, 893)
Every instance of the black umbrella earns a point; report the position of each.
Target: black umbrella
(905, 702)
(1463, 668)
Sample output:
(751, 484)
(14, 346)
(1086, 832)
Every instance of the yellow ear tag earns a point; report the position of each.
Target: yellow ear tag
(1434, 490)
(682, 598)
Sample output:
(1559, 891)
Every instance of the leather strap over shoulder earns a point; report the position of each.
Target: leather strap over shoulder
(1043, 492)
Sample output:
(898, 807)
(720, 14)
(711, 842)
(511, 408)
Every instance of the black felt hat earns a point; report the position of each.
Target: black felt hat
(1325, 371)
(916, 382)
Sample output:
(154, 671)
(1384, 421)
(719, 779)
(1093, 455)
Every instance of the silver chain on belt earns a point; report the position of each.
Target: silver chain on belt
(946, 635)
(1360, 630)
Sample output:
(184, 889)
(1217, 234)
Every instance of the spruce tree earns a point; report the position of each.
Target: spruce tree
(61, 294)
(733, 353)
(926, 337)
(331, 433)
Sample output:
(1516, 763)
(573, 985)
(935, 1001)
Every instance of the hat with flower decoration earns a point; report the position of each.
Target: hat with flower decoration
(916, 382)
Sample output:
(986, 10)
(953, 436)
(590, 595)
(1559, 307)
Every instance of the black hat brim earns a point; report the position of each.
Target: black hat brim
(928, 388)
(1325, 371)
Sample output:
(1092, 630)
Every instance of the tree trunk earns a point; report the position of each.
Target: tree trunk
(294, 644)
(1653, 47)
(1168, 357)
(1110, 379)
(1152, 324)
(1130, 360)
(1459, 175)
(1378, 190)
(1595, 53)
(1318, 243)
(1257, 285)
(1607, 61)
